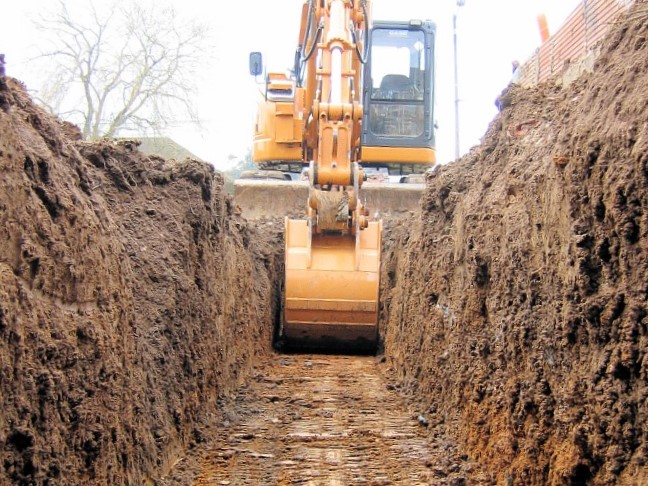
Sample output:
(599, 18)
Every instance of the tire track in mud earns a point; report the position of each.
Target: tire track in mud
(324, 420)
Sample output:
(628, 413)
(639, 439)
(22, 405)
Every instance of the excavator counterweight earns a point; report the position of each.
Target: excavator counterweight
(348, 128)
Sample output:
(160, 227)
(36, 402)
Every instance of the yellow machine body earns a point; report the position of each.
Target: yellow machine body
(424, 157)
(333, 129)
(278, 131)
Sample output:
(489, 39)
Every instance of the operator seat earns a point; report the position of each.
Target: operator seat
(395, 86)
(398, 111)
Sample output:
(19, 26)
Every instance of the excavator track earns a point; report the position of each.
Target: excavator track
(327, 420)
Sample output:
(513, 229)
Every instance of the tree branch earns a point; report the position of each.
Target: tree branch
(129, 65)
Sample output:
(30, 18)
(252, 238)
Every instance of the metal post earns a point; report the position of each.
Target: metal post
(456, 86)
(460, 3)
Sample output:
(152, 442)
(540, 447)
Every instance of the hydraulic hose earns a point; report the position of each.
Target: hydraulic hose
(301, 56)
(365, 43)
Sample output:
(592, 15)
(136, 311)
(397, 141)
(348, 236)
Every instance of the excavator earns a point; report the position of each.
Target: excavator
(342, 130)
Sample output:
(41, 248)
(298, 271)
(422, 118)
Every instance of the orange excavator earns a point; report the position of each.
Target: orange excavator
(341, 133)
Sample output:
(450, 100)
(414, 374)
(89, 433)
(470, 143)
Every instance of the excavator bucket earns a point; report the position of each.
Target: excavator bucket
(331, 289)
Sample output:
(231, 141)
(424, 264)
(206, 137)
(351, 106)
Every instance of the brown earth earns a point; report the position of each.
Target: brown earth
(137, 310)
(121, 322)
(323, 419)
(516, 304)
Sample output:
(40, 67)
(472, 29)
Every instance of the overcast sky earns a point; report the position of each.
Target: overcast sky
(488, 41)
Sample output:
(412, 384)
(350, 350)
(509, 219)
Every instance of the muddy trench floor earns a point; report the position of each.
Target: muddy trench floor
(323, 420)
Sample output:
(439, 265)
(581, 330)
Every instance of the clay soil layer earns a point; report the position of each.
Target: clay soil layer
(121, 322)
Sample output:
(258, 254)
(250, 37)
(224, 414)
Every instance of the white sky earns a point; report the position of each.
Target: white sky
(490, 35)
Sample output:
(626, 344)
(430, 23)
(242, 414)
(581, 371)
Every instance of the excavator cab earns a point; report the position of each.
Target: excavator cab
(398, 124)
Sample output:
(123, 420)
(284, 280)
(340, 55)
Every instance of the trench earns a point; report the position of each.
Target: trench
(318, 419)
(321, 419)
(137, 309)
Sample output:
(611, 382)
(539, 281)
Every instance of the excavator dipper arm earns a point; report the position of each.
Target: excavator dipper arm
(333, 256)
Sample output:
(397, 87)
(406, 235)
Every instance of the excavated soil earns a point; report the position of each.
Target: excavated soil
(137, 310)
(121, 322)
(516, 304)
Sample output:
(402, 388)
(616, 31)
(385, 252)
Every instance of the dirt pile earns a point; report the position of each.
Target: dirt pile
(121, 317)
(516, 309)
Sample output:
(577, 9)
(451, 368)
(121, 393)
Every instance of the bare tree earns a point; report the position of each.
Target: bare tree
(127, 68)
